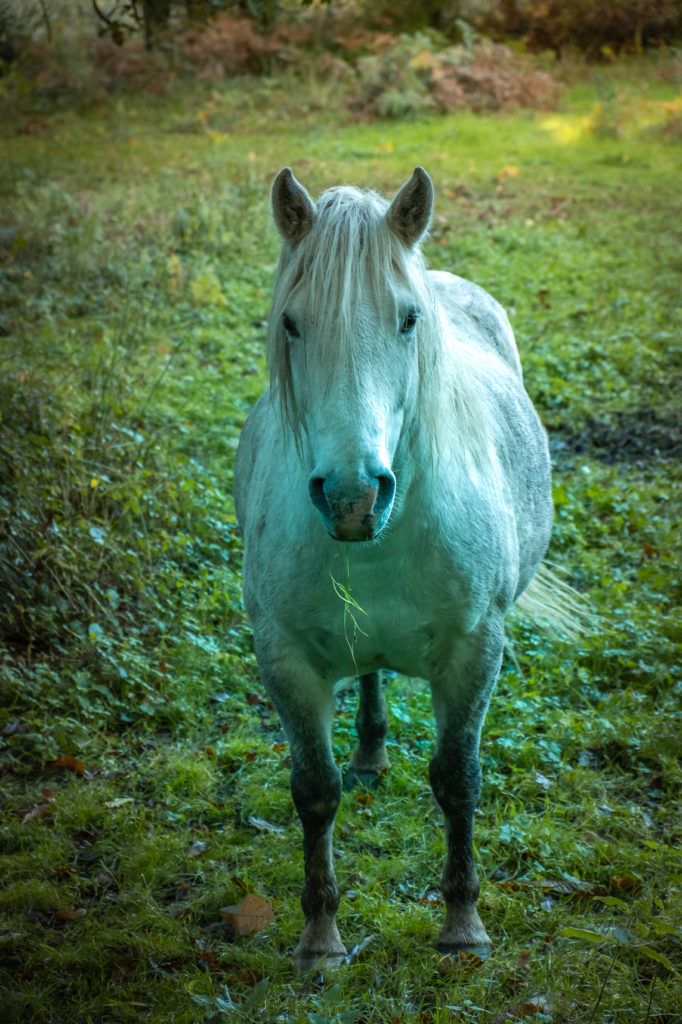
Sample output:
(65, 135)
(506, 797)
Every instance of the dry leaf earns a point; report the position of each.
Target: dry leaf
(15, 727)
(626, 882)
(432, 898)
(251, 915)
(38, 810)
(68, 914)
(536, 1004)
(196, 849)
(522, 960)
(67, 761)
(265, 826)
(463, 961)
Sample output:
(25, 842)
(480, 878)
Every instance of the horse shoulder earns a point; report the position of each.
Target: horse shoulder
(469, 307)
(255, 437)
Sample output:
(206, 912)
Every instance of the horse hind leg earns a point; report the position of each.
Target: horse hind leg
(371, 723)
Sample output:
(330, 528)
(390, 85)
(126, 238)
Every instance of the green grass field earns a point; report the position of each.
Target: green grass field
(144, 774)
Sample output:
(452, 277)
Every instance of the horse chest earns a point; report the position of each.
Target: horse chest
(396, 609)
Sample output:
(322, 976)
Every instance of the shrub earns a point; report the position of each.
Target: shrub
(415, 76)
(231, 46)
(595, 27)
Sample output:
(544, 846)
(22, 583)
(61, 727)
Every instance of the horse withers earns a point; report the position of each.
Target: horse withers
(395, 465)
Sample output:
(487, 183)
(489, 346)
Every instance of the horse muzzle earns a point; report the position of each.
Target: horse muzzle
(355, 510)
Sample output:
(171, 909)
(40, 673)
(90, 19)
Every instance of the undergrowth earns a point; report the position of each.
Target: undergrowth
(145, 774)
(362, 73)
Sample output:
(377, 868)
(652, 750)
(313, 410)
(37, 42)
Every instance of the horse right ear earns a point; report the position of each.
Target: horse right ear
(409, 215)
(292, 207)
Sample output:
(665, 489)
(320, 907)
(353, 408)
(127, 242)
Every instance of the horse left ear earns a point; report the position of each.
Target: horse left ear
(292, 207)
(409, 215)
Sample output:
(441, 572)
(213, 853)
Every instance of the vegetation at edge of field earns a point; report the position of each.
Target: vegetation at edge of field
(145, 780)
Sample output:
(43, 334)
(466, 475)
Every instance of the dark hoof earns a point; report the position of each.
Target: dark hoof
(358, 778)
(319, 962)
(481, 951)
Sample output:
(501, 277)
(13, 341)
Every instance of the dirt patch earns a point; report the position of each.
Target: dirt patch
(640, 435)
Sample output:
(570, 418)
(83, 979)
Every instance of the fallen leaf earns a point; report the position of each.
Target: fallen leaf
(265, 826)
(456, 963)
(431, 898)
(119, 802)
(522, 960)
(518, 977)
(536, 1004)
(71, 914)
(196, 849)
(38, 810)
(626, 882)
(358, 949)
(510, 171)
(67, 761)
(582, 933)
(16, 727)
(569, 885)
(251, 915)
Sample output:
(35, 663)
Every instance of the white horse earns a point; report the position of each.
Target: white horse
(393, 490)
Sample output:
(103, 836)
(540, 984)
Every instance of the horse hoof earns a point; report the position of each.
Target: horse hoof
(478, 951)
(305, 963)
(361, 778)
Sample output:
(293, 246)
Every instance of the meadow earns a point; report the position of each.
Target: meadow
(144, 773)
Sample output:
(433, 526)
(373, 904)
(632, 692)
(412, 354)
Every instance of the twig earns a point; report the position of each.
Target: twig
(608, 975)
(651, 996)
(601, 991)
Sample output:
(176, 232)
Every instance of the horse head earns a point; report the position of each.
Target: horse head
(344, 340)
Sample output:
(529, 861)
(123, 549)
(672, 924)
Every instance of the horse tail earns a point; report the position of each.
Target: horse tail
(555, 608)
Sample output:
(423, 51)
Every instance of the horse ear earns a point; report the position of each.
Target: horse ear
(409, 215)
(292, 207)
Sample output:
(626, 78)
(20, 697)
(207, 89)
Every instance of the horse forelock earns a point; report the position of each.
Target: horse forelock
(349, 264)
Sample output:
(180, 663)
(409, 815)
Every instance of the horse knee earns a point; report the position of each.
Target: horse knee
(455, 780)
(316, 791)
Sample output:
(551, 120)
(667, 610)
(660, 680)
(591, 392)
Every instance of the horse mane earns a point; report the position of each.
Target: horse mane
(349, 258)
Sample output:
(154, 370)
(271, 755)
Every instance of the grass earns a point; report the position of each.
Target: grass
(138, 749)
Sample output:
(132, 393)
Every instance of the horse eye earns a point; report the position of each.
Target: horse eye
(409, 322)
(290, 327)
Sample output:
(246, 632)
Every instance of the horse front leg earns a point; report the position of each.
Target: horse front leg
(460, 703)
(316, 789)
(305, 704)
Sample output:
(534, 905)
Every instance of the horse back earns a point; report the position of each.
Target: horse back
(471, 310)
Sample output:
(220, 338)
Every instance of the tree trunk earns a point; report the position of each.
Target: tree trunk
(156, 15)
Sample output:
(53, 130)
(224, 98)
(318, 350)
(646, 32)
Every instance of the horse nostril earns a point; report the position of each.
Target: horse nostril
(317, 495)
(386, 491)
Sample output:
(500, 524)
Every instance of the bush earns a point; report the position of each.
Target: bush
(416, 76)
(228, 46)
(596, 27)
